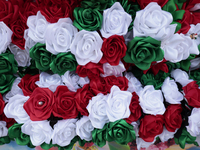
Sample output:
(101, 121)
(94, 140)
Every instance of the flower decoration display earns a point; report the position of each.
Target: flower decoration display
(92, 71)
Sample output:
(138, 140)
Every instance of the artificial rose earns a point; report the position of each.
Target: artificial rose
(82, 98)
(27, 84)
(9, 121)
(173, 118)
(90, 69)
(18, 28)
(97, 111)
(41, 56)
(195, 75)
(170, 91)
(153, 21)
(192, 94)
(5, 34)
(134, 84)
(21, 56)
(98, 85)
(40, 104)
(29, 42)
(3, 129)
(151, 101)
(142, 51)
(39, 131)
(194, 122)
(178, 47)
(87, 19)
(6, 81)
(115, 21)
(113, 70)
(181, 77)
(166, 135)
(59, 36)
(118, 102)
(86, 47)
(121, 132)
(194, 33)
(2, 104)
(99, 136)
(84, 128)
(97, 4)
(113, 48)
(63, 62)
(64, 105)
(37, 26)
(151, 126)
(144, 3)
(135, 109)
(14, 108)
(64, 131)
(49, 81)
(8, 63)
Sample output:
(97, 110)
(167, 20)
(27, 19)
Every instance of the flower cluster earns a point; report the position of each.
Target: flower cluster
(97, 71)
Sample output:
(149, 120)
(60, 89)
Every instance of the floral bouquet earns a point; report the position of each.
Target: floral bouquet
(93, 71)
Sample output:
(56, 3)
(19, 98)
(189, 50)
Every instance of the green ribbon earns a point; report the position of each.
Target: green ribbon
(6, 81)
(41, 56)
(63, 62)
(185, 138)
(87, 19)
(171, 66)
(142, 51)
(4, 140)
(185, 64)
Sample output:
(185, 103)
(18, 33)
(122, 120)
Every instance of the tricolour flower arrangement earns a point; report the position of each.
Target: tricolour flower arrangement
(99, 70)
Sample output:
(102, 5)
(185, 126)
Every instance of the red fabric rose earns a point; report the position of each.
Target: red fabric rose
(91, 70)
(27, 84)
(136, 110)
(121, 82)
(113, 48)
(9, 121)
(2, 104)
(173, 118)
(144, 3)
(151, 126)
(39, 105)
(192, 94)
(83, 96)
(65, 106)
(98, 85)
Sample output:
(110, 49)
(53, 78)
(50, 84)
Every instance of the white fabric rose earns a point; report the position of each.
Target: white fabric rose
(37, 26)
(3, 129)
(14, 90)
(194, 122)
(195, 64)
(73, 81)
(115, 21)
(64, 131)
(113, 70)
(181, 77)
(142, 144)
(49, 81)
(194, 29)
(153, 21)
(97, 110)
(86, 47)
(170, 91)
(118, 104)
(178, 47)
(59, 36)
(166, 135)
(39, 131)
(14, 108)
(21, 56)
(136, 127)
(84, 128)
(134, 84)
(5, 36)
(151, 101)
(29, 43)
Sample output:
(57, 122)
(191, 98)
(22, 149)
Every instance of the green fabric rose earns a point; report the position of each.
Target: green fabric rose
(185, 138)
(7, 63)
(4, 140)
(155, 80)
(142, 51)
(172, 66)
(6, 81)
(41, 56)
(63, 62)
(97, 4)
(120, 131)
(99, 136)
(195, 75)
(87, 19)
